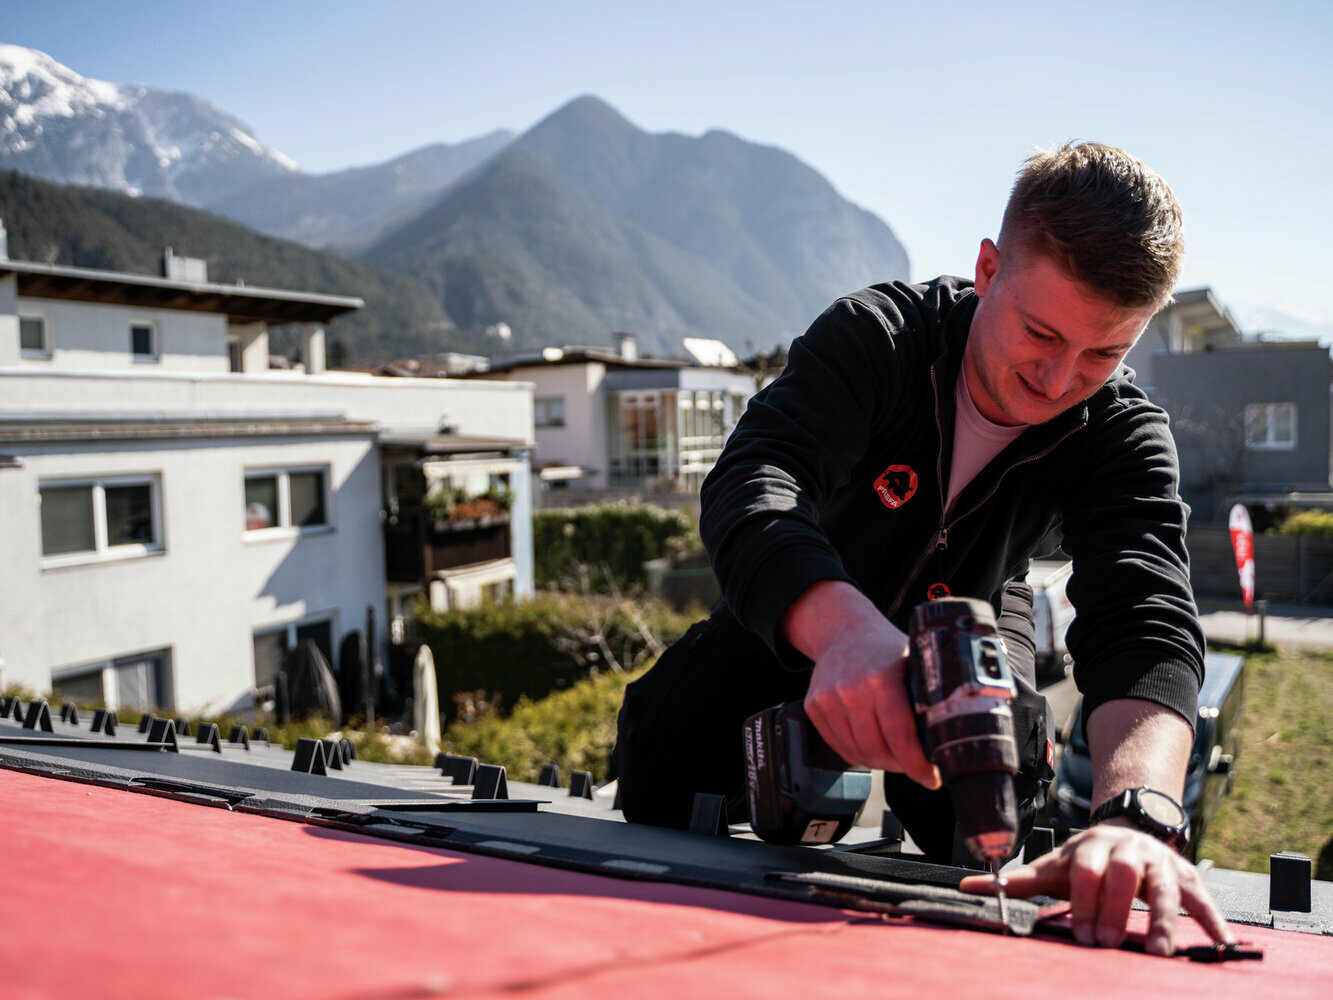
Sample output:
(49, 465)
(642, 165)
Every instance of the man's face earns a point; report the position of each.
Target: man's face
(1040, 341)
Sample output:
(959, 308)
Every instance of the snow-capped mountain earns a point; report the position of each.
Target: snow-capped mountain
(60, 126)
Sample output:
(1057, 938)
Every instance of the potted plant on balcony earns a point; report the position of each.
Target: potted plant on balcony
(455, 509)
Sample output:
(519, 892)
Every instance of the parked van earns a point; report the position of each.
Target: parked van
(1052, 613)
(1212, 764)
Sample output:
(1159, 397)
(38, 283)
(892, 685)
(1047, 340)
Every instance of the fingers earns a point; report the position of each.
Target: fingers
(1199, 905)
(1086, 864)
(844, 732)
(1119, 886)
(866, 717)
(1046, 876)
(897, 723)
(1162, 894)
(1100, 872)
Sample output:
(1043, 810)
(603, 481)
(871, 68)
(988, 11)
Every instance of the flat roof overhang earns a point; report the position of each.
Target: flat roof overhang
(38, 431)
(239, 303)
(451, 444)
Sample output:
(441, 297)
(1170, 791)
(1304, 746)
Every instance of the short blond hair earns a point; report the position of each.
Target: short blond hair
(1108, 219)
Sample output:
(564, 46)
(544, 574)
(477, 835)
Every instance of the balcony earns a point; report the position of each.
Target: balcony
(417, 545)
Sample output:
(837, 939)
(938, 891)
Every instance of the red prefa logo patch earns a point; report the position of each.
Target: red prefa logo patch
(896, 485)
(937, 592)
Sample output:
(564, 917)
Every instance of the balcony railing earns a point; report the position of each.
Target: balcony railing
(417, 546)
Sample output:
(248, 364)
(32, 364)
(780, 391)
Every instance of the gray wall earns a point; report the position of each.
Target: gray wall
(1206, 394)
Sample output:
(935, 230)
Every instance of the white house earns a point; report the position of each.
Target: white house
(608, 419)
(174, 516)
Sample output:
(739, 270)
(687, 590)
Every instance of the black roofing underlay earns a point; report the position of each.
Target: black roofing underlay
(546, 825)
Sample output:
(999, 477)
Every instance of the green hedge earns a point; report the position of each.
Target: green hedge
(528, 649)
(1318, 523)
(618, 536)
(575, 729)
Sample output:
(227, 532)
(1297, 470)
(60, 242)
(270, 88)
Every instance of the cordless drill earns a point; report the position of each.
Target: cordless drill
(961, 687)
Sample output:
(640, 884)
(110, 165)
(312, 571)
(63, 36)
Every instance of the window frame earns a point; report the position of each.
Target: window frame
(154, 333)
(102, 550)
(284, 528)
(46, 352)
(1267, 412)
(288, 631)
(164, 675)
(544, 405)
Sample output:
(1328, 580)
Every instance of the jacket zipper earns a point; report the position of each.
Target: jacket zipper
(941, 540)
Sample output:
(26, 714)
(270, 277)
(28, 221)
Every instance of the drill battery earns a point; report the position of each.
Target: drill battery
(801, 791)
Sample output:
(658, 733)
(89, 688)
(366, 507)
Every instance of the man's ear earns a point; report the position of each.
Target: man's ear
(988, 266)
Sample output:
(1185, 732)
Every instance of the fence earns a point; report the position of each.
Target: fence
(1291, 568)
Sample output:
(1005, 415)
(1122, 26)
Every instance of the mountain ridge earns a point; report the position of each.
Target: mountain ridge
(63, 127)
(744, 243)
(583, 225)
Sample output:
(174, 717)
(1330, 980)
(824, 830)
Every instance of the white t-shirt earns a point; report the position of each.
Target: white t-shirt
(976, 440)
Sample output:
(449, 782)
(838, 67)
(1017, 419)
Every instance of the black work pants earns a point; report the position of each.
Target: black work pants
(680, 732)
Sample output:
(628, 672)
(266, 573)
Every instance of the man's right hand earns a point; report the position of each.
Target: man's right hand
(858, 696)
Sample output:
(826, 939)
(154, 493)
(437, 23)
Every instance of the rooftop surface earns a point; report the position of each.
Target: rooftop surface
(392, 881)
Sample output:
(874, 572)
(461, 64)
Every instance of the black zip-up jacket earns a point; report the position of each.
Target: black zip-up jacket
(837, 471)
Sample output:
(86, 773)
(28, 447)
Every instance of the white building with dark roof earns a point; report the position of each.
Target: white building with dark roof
(610, 420)
(176, 515)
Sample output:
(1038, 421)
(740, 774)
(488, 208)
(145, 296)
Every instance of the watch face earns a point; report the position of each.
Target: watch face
(1161, 808)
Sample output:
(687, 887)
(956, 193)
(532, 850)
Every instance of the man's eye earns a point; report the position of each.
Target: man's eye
(1036, 334)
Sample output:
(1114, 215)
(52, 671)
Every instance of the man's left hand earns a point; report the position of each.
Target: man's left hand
(1101, 871)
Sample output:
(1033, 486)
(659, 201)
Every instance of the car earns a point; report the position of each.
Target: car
(1212, 764)
(1052, 613)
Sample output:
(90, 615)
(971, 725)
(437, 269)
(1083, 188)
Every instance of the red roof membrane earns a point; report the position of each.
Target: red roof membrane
(119, 894)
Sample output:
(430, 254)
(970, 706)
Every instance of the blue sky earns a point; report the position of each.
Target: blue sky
(918, 115)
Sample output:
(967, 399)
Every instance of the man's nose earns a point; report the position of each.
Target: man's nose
(1058, 373)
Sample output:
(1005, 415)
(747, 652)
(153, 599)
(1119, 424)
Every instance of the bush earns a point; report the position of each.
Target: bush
(531, 648)
(1308, 522)
(618, 537)
(575, 729)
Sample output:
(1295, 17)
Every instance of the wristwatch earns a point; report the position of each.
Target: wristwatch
(1151, 811)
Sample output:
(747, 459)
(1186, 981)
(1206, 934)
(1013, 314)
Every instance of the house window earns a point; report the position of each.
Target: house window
(270, 650)
(286, 499)
(143, 341)
(643, 437)
(142, 681)
(1270, 426)
(34, 337)
(105, 517)
(271, 646)
(548, 411)
(234, 354)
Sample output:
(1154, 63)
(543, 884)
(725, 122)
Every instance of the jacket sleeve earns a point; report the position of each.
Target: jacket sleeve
(1136, 632)
(795, 446)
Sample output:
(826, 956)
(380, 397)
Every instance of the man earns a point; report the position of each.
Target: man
(927, 440)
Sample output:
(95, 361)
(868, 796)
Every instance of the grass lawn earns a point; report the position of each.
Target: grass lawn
(1283, 796)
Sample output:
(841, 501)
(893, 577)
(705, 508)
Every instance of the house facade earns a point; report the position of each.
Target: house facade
(176, 516)
(1195, 321)
(611, 421)
(1251, 424)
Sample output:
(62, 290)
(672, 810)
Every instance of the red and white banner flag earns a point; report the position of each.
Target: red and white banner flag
(1242, 543)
